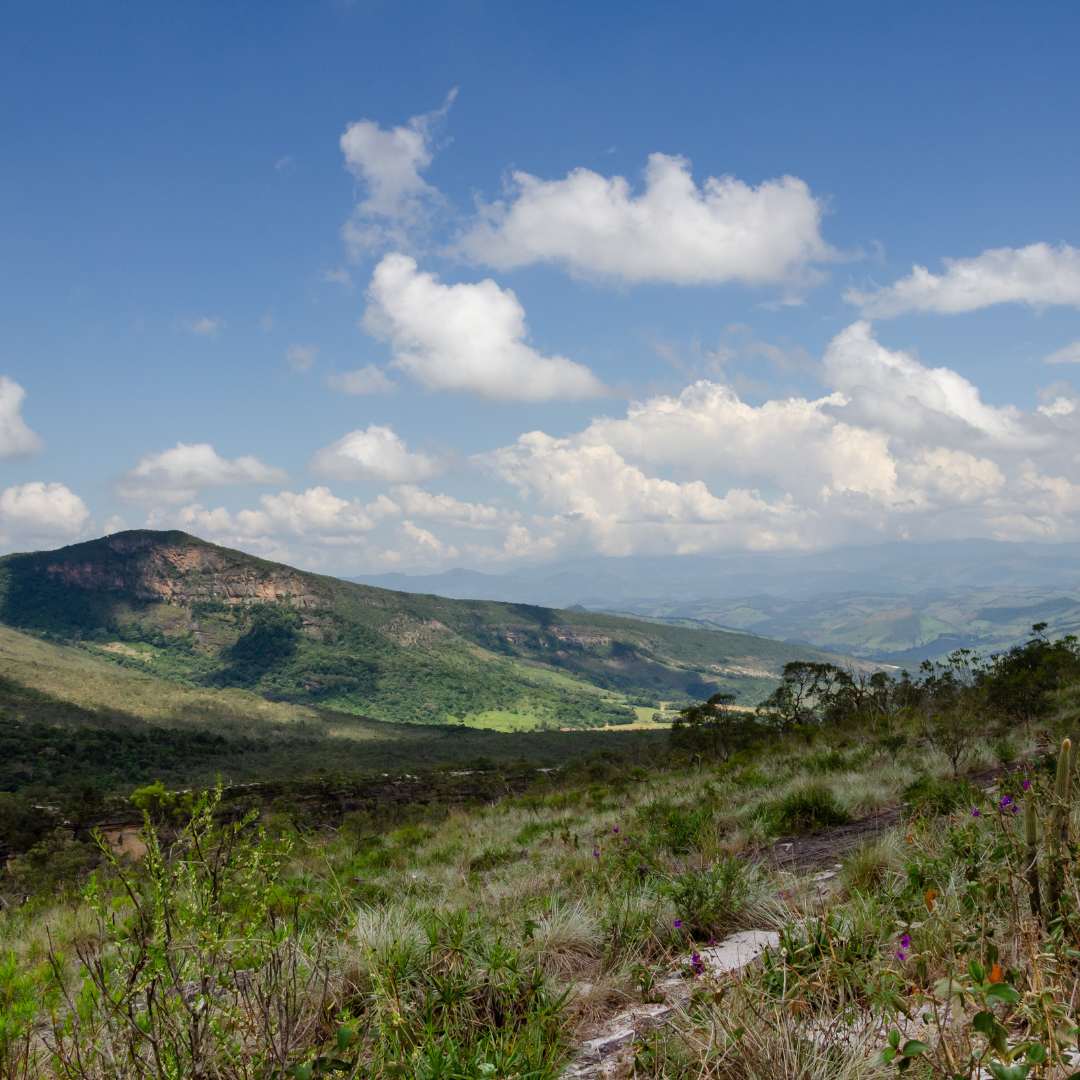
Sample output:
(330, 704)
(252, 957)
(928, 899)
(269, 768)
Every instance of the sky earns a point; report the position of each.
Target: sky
(367, 286)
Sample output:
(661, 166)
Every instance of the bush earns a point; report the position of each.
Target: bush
(713, 901)
(804, 810)
(675, 828)
(934, 796)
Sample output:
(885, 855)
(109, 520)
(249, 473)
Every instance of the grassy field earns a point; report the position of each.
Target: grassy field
(71, 720)
(490, 941)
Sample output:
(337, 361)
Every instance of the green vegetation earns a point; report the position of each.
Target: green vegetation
(173, 606)
(460, 941)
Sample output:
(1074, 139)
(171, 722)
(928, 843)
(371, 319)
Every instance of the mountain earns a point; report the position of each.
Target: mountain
(176, 606)
(892, 603)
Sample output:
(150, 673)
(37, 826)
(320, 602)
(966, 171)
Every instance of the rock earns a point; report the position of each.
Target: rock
(604, 1054)
(736, 952)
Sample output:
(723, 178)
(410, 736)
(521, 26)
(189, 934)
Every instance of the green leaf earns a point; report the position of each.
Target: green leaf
(1007, 1072)
(346, 1036)
(888, 1054)
(1036, 1053)
(984, 1023)
(894, 1038)
(913, 1048)
(1002, 993)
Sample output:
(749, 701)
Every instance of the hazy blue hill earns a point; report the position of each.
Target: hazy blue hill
(895, 603)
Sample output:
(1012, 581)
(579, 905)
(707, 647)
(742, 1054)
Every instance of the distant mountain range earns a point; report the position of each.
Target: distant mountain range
(895, 603)
(170, 604)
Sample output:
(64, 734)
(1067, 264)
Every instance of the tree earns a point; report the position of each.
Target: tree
(713, 727)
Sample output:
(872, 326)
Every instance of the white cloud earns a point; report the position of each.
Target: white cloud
(898, 449)
(314, 512)
(176, 475)
(791, 443)
(369, 379)
(954, 476)
(468, 337)
(892, 390)
(388, 163)
(40, 510)
(1038, 275)
(415, 502)
(622, 509)
(426, 545)
(1068, 354)
(673, 231)
(206, 326)
(301, 357)
(376, 452)
(16, 438)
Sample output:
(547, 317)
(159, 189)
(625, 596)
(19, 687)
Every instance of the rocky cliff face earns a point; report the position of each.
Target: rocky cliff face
(178, 569)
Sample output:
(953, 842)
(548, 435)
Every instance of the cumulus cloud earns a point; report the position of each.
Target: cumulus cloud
(301, 357)
(16, 439)
(299, 513)
(1038, 275)
(374, 453)
(369, 379)
(1068, 354)
(896, 448)
(415, 502)
(893, 390)
(178, 474)
(708, 428)
(468, 337)
(39, 510)
(672, 231)
(388, 163)
(625, 510)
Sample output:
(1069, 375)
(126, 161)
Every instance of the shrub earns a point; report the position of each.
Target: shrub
(806, 809)
(715, 900)
(933, 795)
(675, 828)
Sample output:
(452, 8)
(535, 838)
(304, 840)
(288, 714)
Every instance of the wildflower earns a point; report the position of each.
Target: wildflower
(996, 974)
(976, 812)
(1005, 802)
(596, 853)
(697, 965)
(930, 897)
(905, 941)
(901, 955)
(1026, 785)
(677, 924)
(615, 829)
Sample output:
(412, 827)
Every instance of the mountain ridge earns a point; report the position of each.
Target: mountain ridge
(194, 611)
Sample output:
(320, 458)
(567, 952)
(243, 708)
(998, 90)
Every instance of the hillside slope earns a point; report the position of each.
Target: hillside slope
(183, 609)
(72, 721)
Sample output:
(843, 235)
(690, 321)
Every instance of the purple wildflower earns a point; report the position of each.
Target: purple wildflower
(1026, 785)
(976, 812)
(1005, 802)
(596, 853)
(901, 955)
(905, 941)
(615, 829)
(697, 965)
(677, 924)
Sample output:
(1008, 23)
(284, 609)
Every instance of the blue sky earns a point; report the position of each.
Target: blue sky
(190, 247)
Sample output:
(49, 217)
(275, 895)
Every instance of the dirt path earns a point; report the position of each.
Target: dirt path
(815, 850)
